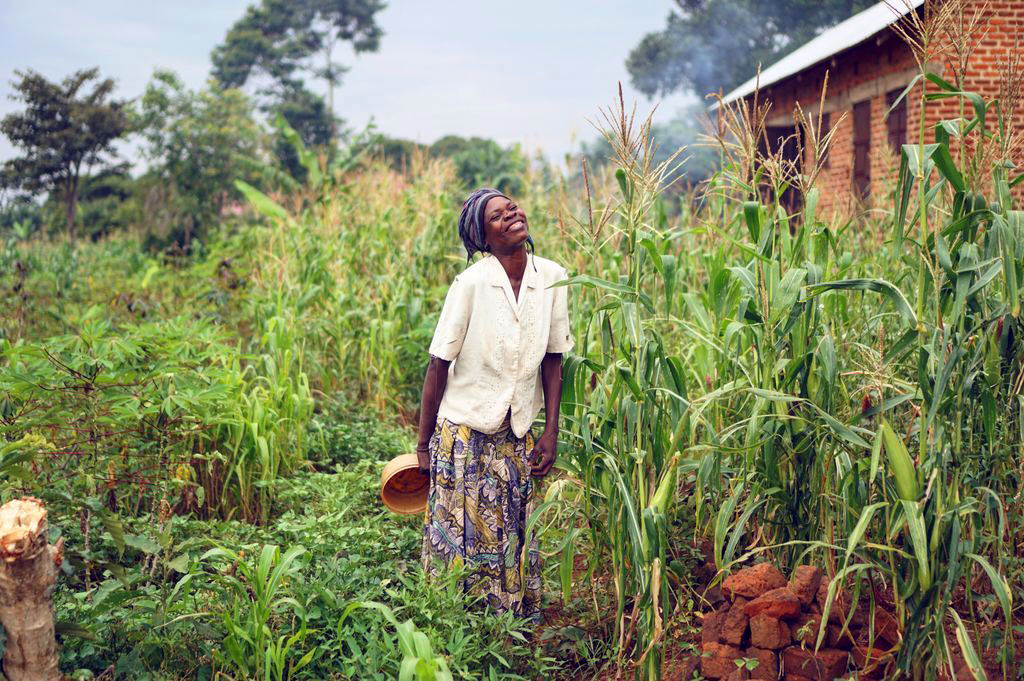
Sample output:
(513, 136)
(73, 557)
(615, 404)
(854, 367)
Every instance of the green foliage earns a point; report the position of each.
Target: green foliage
(714, 45)
(344, 434)
(316, 174)
(478, 161)
(253, 645)
(281, 40)
(187, 599)
(418, 660)
(62, 133)
(307, 115)
(20, 216)
(200, 142)
(107, 203)
(482, 162)
(123, 404)
(942, 503)
(626, 436)
(732, 374)
(13, 456)
(277, 38)
(344, 245)
(158, 410)
(477, 643)
(398, 153)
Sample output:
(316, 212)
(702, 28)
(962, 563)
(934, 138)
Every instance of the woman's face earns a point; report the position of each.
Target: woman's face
(505, 225)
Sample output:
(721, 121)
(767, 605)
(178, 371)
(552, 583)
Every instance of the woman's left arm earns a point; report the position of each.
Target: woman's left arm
(546, 449)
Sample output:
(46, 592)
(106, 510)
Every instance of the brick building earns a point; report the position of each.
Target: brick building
(868, 66)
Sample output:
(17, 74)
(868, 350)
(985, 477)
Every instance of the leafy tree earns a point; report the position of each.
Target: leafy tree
(200, 143)
(480, 161)
(450, 145)
(106, 203)
(708, 45)
(62, 131)
(307, 114)
(284, 39)
(396, 151)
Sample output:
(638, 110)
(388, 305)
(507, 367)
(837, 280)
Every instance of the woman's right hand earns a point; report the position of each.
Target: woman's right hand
(423, 459)
(434, 384)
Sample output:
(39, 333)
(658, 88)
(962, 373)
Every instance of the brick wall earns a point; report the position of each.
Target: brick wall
(870, 71)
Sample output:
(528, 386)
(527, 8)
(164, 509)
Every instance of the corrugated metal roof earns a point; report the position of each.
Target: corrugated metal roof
(846, 34)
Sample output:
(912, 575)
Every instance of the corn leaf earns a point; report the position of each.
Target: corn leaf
(919, 540)
(999, 585)
(892, 293)
(866, 514)
(963, 637)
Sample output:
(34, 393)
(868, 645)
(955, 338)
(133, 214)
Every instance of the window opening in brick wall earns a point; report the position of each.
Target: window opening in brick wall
(896, 124)
(784, 138)
(862, 149)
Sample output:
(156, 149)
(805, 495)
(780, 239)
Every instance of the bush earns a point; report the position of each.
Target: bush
(156, 411)
(345, 434)
(20, 217)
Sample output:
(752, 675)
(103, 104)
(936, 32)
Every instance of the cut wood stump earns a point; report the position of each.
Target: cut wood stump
(28, 571)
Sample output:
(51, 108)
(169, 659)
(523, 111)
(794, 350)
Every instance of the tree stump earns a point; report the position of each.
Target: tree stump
(28, 571)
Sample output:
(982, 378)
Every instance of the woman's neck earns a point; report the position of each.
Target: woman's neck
(514, 263)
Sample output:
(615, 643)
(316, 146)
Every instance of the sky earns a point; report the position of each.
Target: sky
(531, 72)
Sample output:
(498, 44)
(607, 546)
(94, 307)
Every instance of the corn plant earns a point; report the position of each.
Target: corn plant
(627, 429)
(355, 274)
(772, 385)
(939, 518)
(419, 663)
(254, 645)
(943, 502)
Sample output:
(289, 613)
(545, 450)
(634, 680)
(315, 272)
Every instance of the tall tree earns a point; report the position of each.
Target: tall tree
(285, 39)
(708, 45)
(62, 131)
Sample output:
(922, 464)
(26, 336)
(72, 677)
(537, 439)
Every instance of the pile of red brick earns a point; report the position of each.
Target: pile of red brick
(775, 622)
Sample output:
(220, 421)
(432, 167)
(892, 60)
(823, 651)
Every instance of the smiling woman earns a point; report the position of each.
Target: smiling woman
(496, 359)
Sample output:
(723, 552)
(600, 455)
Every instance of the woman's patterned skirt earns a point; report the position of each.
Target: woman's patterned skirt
(481, 495)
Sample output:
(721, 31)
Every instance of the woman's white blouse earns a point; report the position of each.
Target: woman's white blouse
(497, 343)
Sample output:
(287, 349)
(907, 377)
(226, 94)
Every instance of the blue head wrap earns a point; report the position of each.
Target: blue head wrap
(471, 221)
